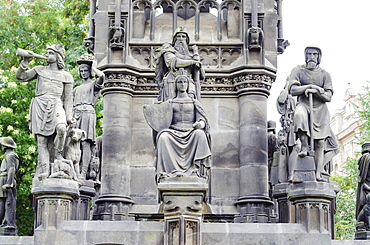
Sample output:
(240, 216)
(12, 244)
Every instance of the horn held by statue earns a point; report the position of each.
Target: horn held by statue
(28, 54)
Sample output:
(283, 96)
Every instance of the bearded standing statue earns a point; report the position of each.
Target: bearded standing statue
(172, 58)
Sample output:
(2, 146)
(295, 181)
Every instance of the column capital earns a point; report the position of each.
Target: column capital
(254, 83)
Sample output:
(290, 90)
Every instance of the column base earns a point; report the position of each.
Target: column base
(113, 207)
(255, 210)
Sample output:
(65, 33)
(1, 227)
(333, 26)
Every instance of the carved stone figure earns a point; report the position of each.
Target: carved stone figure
(271, 143)
(85, 97)
(51, 109)
(63, 169)
(315, 83)
(73, 148)
(183, 147)
(288, 147)
(8, 191)
(363, 187)
(363, 217)
(174, 57)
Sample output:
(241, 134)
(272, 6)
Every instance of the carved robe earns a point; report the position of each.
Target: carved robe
(179, 149)
(85, 97)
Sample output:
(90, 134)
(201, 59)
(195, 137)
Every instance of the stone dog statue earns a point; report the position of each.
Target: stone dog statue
(73, 149)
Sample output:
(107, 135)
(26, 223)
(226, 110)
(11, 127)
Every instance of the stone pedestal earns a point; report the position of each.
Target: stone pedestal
(183, 203)
(305, 169)
(81, 204)
(362, 235)
(312, 201)
(8, 231)
(285, 208)
(54, 199)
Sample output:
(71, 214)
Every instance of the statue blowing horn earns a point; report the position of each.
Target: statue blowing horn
(28, 54)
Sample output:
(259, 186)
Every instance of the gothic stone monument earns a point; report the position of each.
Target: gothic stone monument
(228, 54)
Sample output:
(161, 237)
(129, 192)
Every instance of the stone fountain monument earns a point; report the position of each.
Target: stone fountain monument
(184, 150)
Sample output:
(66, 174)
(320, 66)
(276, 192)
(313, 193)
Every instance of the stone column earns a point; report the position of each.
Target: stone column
(254, 204)
(183, 203)
(54, 199)
(115, 201)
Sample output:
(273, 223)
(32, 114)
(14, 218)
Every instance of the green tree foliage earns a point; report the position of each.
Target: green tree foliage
(32, 25)
(345, 219)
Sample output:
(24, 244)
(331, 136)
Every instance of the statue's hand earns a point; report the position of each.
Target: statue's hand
(310, 90)
(198, 125)
(197, 63)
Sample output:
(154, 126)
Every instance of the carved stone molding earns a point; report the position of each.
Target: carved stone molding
(220, 85)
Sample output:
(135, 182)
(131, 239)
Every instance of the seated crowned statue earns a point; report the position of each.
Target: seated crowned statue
(183, 146)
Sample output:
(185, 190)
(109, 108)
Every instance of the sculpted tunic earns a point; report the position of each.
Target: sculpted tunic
(321, 116)
(85, 97)
(180, 146)
(53, 99)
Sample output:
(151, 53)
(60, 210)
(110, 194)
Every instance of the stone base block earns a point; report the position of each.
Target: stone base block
(362, 235)
(183, 202)
(8, 231)
(312, 203)
(54, 201)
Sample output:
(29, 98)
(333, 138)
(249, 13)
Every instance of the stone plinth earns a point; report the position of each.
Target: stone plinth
(362, 235)
(183, 203)
(8, 231)
(54, 201)
(312, 201)
(81, 204)
(285, 209)
(305, 169)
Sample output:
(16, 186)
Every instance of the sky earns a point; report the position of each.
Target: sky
(341, 28)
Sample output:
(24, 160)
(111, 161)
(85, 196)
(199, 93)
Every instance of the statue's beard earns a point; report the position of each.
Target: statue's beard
(182, 47)
(311, 64)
